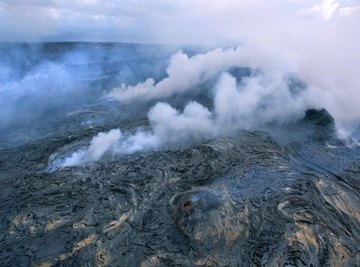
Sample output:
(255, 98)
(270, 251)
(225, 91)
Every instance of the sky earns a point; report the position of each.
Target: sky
(174, 22)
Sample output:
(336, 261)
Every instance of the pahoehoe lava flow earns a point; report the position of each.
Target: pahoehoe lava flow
(234, 201)
(285, 195)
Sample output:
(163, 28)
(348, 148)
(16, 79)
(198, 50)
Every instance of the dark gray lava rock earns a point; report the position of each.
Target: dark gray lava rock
(237, 201)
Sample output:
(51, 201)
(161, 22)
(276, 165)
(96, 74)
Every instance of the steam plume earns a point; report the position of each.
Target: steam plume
(249, 104)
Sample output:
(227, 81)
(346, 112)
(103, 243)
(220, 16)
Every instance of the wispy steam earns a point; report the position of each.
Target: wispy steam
(37, 78)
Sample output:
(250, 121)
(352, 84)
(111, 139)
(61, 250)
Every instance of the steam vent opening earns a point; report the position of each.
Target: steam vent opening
(186, 205)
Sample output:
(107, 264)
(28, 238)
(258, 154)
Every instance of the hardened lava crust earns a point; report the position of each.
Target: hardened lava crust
(244, 200)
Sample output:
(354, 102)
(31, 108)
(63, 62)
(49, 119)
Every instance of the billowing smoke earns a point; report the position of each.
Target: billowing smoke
(112, 142)
(238, 103)
(336, 93)
(184, 73)
(316, 42)
(270, 93)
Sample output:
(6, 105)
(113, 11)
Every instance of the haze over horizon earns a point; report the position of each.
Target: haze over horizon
(176, 22)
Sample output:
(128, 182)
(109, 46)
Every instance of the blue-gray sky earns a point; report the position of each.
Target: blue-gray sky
(164, 21)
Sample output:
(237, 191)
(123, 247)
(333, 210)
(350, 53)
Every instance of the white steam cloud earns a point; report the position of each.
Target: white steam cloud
(333, 86)
(248, 104)
(183, 74)
(318, 41)
(112, 142)
(100, 144)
